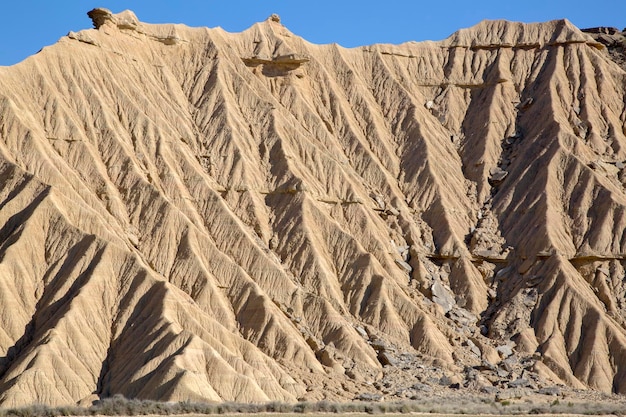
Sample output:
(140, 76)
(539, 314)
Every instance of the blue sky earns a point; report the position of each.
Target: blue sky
(26, 26)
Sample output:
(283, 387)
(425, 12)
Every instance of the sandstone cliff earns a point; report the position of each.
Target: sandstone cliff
(187, 213)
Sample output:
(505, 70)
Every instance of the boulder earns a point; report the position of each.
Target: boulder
(442, 296)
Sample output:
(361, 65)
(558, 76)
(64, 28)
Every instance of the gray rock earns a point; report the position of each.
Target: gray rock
(422, 387)
(393, 211)
(380, 202)
(519, 383)
(445, 381)
(471, 374)
(407, 268)
(462, 317)
(361, 331)
(402, 250)
(442, 296)
(511, 362)
(555, 391)
(386, 359)
(507, 366)
(369, 396)
(505, 350)
(473, 348)
(501, 274)
(487, 366)
(497, 174)
(489, 390)
(530, 297)
(510, 394)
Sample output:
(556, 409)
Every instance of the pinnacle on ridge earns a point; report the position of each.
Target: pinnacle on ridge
(124, 20)
(99, 16)
(274, 18)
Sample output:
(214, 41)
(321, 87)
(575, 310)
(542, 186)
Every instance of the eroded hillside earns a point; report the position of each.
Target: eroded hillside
(187, 213)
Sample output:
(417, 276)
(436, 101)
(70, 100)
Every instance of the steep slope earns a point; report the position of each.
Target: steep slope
(193, 214)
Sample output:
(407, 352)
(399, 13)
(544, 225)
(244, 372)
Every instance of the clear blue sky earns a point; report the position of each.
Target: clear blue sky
(26, 26)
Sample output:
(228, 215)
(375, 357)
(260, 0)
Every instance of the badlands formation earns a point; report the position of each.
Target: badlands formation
(191, 214)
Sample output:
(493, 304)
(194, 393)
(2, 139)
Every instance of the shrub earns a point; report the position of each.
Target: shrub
(120, 406)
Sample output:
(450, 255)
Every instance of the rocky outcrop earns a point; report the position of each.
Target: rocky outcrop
(614, 40)
(124, 20)
(190, 214)
(103, 19)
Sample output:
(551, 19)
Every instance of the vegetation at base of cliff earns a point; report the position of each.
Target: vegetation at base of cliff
(120, 406)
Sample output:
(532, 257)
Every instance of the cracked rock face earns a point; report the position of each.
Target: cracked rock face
(190, 214)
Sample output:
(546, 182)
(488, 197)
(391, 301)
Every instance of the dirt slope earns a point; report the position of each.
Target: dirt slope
(187, 213)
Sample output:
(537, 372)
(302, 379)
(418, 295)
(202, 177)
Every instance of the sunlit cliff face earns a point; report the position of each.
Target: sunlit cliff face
(190, 214)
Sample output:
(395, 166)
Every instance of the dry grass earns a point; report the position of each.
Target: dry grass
(120, 406)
